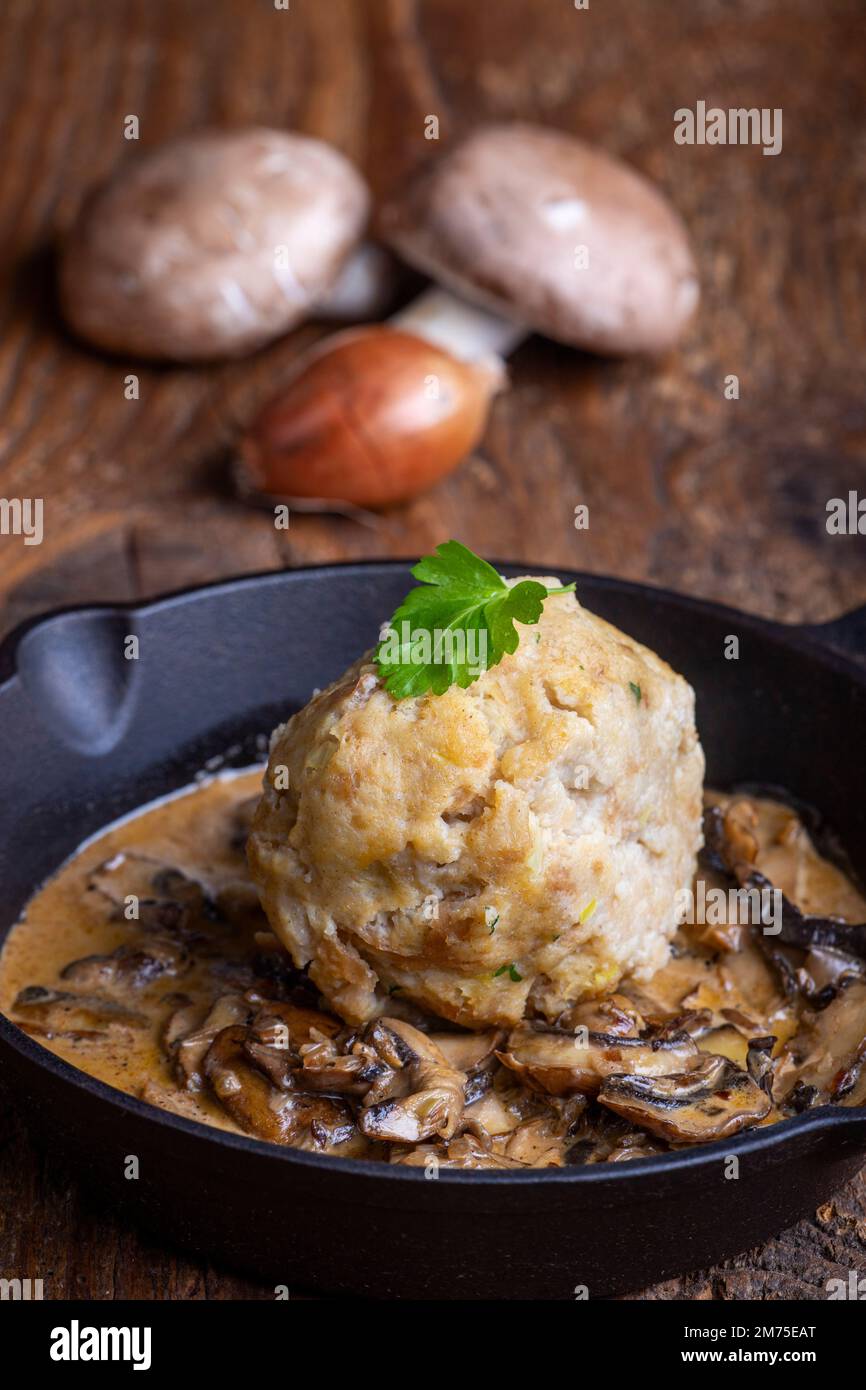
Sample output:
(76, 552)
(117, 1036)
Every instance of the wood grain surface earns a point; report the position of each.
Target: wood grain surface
(716, 497)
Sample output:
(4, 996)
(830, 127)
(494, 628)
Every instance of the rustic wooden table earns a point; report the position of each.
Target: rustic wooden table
(717, 497)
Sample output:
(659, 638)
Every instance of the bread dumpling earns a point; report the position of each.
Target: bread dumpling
(520, 844)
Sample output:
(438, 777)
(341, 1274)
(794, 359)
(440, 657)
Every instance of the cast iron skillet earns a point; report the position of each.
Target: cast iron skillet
(87, 735)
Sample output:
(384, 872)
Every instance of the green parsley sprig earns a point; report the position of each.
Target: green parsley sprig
(456, 624)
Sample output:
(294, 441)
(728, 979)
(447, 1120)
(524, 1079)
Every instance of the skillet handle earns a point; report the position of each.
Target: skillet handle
(846, 635)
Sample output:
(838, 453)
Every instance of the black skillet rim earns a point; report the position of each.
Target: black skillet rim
(763, 1138)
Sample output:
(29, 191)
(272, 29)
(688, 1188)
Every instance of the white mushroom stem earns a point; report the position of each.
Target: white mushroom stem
(365, 287)
(467, 331)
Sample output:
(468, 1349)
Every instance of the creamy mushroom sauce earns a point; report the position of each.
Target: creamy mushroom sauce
(147, 962)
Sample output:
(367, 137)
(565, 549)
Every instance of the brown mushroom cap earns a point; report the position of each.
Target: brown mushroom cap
(177, 257)
(500, 219)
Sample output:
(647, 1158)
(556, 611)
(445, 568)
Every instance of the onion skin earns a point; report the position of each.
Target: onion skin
(374, 417)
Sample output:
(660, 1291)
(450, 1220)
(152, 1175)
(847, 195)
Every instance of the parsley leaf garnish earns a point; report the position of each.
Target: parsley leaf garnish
(635, 690)
(456, 624)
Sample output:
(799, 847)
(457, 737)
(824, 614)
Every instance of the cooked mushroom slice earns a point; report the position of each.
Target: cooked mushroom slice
(539, 1143)
(293, 1118)
(732, 848)
(783, 961)
(616, 1014)
(462, 1152)
(229, 973)
(696, 1023)
(279, 1067)
(489, 1116)
(433, 1103)
(478, 1083)
(603, 1137)
(802, 1097)
(713, 1100)
(474, 1054)
(634, 1143)
(344, 1065)
(730, 841)
(187, 1052)
(809, 933)
(561, 1064)
(467, 1051)
(128, 967)
(824, 974)
(279, 1023)
(600, 1135)
(277, 1035)
(156, 897)
(124, 874)
(58, 1010)
(170, 1098)
(744, 1023)
(186, 1017)
(849, 1085)
(759, 1062)
(827, 1052)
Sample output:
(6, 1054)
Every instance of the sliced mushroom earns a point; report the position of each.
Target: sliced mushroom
(303, 1121)
(186, 1017)
(478, 1083)
(731, 845)
(433, 1104)
(695, 1023)
(802, 1098)
(467, 1051)
(128, 967)
(824, 974)
(730, 841)
(474, 1054)
(713, 1100)
(827, 1052)
(328, 1071)
(603, 1137)
(282, 1024)
(276, 968)
(187, 1052)
(539, 1143)
(157, 897)
(561, 1064)
(614, 1015)
(171, 1099)
(59, 1010)
(278, 1034)
(849, 1085)
(462, 1152)
(810, 933)
(279, 1067)
(634, 1144)
(489, 1116)
(760, 1064)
